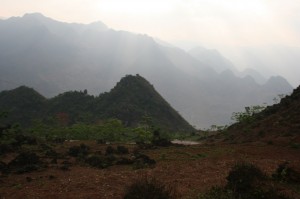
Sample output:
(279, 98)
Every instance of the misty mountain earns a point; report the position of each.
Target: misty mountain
(132, 100)
(219, 63)
(213, 58)
(272, 59)
(54, 57)
(259, 78)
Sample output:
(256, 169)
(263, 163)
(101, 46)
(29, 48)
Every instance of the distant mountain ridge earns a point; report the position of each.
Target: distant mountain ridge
(54, 57)
(213, 58)
(132, 100)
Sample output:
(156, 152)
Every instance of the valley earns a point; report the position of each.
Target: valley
(38, 165)
(88, 111)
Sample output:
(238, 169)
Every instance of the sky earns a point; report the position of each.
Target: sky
(227, 25)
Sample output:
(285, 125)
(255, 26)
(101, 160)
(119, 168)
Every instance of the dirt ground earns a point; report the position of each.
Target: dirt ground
(188, 169)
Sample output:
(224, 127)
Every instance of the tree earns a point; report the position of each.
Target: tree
(247, 115)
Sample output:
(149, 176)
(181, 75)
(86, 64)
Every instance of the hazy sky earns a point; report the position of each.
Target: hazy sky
(211, 23)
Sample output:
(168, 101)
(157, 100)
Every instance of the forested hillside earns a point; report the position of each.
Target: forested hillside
(133, 100)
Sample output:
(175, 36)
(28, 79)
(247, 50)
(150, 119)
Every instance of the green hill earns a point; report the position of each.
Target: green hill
(23, 104)
(133, 100)
(277, 123)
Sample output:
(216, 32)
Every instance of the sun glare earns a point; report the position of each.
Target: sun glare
(134, 7)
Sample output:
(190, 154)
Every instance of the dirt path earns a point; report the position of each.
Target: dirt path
(185, 142)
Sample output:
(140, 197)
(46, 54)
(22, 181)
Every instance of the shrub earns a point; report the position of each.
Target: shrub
(25, 162)
(109, 150)
(161, 142)
(143, 145)
(243, 177)
(143, 161)
(101, 141)
(25, 159)
(95, 161)
(22, 139)
(124, 161)
(58, 140)
(245, 181)
(99, 161)
(148, 188)
(81, 150)
(122, 150)
(284, 173)
(51, 153)
(157, 140)
(248, 115)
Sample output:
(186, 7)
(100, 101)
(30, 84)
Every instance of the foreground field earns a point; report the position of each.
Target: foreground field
(190, 170)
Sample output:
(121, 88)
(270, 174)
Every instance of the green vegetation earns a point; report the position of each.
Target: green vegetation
(108, 131)
(133, 102)
(247, 115)
(139, 112)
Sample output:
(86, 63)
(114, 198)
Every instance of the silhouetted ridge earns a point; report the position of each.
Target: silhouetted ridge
(53, 57)
(132, 100)
(78, 105)
(22, 103)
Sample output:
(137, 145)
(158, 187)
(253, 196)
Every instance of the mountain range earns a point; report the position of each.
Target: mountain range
(54, 57)
(133, 100)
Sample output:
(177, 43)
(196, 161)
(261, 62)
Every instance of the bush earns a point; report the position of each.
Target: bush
(243, 177)
(143, 161)
(122, 150)
(58, 140)
(51, 153)
(143, 145)
(124, 161)
(101, 162)
(157, 140)
(96, 161)
(109, 150)
(77, 151)
(25, 162)
(284, 173)
(148, 188)
(101, 141)
(245, 181)
(22, 139)
(25, 159)
(248, 115)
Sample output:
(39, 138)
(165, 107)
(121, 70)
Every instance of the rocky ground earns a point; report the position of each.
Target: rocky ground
(92, 170)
